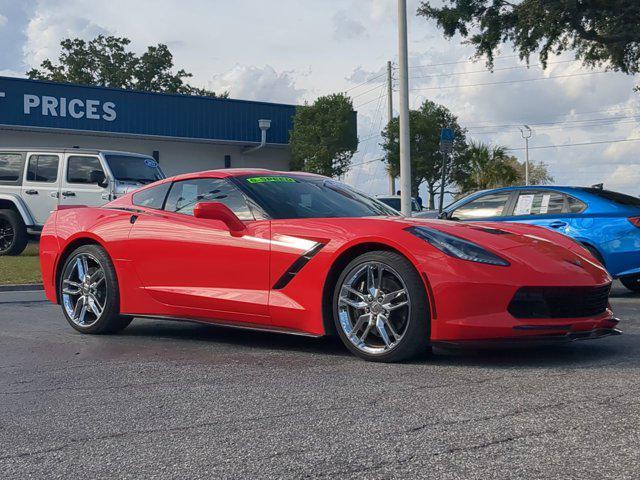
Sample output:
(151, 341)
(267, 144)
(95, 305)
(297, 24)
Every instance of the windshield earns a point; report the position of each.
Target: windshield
(128, 168)
(297, 196)
(395, 203)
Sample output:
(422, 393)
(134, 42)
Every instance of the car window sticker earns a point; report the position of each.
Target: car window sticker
(523, 207)
(544, 207)
(271, 179)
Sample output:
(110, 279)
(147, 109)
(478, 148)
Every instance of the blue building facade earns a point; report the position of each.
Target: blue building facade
(49, 105)
(184, 133)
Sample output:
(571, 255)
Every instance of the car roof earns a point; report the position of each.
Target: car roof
(238, 172)
(93, 151)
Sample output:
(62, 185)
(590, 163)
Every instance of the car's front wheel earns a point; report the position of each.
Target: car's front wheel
(89, 292)
(380, 308)
(632, 283)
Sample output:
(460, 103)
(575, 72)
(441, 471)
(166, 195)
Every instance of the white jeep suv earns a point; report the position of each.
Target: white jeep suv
(33, 182)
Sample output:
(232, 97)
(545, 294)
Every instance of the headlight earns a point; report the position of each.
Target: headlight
(457, 247)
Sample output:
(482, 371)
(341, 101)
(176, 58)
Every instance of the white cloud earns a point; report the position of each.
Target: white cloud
(3, 20)
(48, 26)
(301, 50)
(345, 27)
(258, 83)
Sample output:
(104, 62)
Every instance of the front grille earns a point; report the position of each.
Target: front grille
(559, 302)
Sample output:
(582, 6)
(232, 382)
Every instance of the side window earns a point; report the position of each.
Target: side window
(10, 167)
(81, 169)
(539, 203)
(43, 168)
(492, 205)
(152, 197)
(184, 195)
(574, 205)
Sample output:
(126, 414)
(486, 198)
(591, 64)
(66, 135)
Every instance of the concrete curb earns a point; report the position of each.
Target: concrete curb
(30, 287)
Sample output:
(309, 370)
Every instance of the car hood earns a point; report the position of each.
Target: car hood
(539, 248)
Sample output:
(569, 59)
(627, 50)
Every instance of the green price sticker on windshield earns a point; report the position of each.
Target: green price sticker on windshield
(271, 179)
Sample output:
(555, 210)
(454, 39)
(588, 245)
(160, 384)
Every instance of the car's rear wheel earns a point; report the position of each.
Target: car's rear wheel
(632, 283)
(13, 233)
(380, 308)
(89, 292)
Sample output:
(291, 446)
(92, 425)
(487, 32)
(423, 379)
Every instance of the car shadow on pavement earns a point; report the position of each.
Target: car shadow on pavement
(576, 354)
(229, 336)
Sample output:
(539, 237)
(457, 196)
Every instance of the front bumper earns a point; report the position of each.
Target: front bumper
(533, 340)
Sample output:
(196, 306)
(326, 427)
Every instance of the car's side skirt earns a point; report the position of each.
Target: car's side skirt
(225, 323)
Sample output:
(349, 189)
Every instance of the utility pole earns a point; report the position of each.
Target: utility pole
(403, 69)
(526, 134)
(392, 180)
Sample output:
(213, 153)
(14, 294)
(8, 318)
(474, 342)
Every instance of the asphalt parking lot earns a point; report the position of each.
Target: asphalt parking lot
(178, 400)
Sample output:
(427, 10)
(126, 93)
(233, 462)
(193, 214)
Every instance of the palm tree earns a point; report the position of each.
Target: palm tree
(489, 167)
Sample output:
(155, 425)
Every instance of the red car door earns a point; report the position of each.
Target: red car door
(197, 266)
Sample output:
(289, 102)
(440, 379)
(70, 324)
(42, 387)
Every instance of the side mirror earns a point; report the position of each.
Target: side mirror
(98, 177)
(444, 215)
(219, 211)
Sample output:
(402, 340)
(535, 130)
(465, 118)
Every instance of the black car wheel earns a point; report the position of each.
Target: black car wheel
(380, 308)
(89, 292)
(632, 283)
(13, 233)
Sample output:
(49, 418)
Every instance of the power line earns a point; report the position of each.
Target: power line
(365, 82)
(370, 90)
(564, 122)
(453, 74)
(459, 62)
(577, 144)
(510, 81)
(565, 127)
(613, 110)
(370, 101)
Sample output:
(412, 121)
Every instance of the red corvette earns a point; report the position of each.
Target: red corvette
(303, 254)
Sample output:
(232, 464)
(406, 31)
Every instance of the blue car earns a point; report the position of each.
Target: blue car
(607, 223)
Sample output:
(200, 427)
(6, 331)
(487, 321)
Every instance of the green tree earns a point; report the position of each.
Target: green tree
(538, 172)
(489, 167)
(426, 160)
(599, 32)
(106, 61)
(323, 139)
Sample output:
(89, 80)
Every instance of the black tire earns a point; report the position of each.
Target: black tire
(110, 320)
(595, 253)
(13, 233)
(415, 339)
(632, 283)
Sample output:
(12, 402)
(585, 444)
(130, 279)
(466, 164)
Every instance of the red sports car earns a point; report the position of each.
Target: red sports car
(304, 254)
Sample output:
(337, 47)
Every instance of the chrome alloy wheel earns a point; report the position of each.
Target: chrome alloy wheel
(6, 235)
(374, 308)
(84, 290)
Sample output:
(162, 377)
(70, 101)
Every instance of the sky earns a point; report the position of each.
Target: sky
(293, 51)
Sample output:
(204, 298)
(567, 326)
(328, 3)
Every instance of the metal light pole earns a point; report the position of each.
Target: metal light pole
(392, 180)
(403, 70)
(526, 134)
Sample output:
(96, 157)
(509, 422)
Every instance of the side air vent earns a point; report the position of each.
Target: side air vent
(296, 266)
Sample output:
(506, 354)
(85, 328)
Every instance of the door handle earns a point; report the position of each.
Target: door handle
(55, 194)
(133, 219)
(68, 194)
(31, 192)
(558, 224)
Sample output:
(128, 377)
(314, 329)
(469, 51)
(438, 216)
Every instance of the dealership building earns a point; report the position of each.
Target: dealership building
(184, 133)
